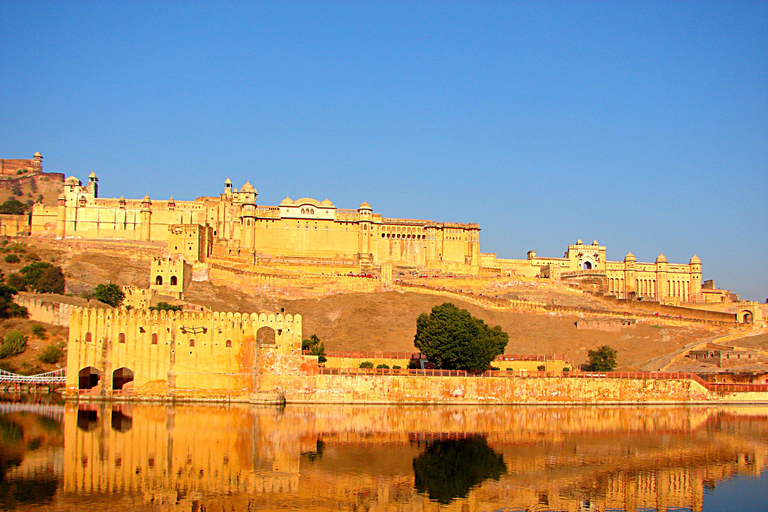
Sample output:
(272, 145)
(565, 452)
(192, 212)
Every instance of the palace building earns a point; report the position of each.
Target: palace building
(234, 225)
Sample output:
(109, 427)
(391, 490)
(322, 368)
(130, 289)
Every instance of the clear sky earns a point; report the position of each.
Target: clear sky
(641, 124)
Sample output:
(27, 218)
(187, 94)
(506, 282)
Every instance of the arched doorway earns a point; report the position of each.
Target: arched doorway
(265, 336)
(159, 280)
(746, 317)
(174, 281)
(121, 377)
(88, 378)
(587, 265)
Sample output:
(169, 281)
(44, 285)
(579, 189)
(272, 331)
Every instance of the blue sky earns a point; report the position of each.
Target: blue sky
(643, 125)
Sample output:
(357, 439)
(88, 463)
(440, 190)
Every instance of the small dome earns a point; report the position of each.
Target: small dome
(630, 257)
(38, 155)
(122, 199)
(695, 260)
(92, 175)
(594, 242)
(171, 200)
(327, 203)
(661, 258)
(579, 242)
(364, 206)
(146, 199)
(247, 187)
(286, 202)
(228, 181)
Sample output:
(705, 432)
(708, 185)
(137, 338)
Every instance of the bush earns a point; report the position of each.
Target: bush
(14, 344)
(15, 281)
(50, 355)
(366, 364)
(383, 367)
(11, 258)
(396, 367)
(315, 347)
(51, 281)
(32, 256)
(566, 369)
(413, 365)
(33, 272)
(12, 206)
(542, 368)
(112, 294)
(38, 330)
(164, 306)
(602, 359)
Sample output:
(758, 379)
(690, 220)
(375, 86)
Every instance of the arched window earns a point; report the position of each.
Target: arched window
(88, 337)
(192, 342)
(154, 338)
(174, 280)
(121, 337)
(229, 343)
(159, 280)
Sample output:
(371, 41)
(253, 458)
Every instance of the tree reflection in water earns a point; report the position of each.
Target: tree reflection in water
(449, 469)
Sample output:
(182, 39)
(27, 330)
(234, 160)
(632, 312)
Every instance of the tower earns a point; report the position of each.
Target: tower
(146, 219)
(365, 232)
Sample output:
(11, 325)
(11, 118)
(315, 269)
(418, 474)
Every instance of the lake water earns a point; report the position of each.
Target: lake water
(381, 458)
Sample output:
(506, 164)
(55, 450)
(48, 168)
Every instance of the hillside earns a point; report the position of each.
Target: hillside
(374, 321)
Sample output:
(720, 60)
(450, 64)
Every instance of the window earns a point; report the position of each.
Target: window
(88, 337)
(229, 343)
(174, 279)
(121, 337)
(154, 338)
(159, 280)
(192, 342)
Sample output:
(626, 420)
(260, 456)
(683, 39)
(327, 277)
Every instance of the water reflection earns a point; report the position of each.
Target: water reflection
(190, 457)
(449, 469)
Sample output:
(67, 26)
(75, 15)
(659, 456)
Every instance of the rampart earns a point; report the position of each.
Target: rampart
(51, 309)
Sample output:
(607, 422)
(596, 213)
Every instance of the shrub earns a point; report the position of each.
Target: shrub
(602, 359)
(33, 272)
(32, 256)
(13, 206)
(566, 369)
(11, 258)
(164, 306)
(542, 368)
(396, 367)
(383, 367)
(315, 347)
(112, 294)
(38, 330)
(14, 344)
(50, 355)
(366, 364)
(51, 281)
(15, 280)
(413, 365)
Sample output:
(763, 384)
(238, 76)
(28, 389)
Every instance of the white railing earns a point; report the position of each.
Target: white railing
(54, 377)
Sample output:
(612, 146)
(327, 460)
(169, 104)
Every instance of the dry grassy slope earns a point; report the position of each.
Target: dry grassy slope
(387, 321)
(48, 186)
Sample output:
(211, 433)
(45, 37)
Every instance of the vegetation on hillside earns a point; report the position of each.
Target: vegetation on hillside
(452, 339)
(109, 294)
(602, 359)
(315, 347)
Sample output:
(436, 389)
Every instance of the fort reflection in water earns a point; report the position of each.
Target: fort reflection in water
(195, 457)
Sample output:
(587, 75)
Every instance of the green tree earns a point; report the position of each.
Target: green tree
(366, 364)
(15, 281)
(33, 272)
(11, 258)
(51, 281)
(8, 308)
(315, 347)
(602, 359)
(452, 339)
(13, 207)
(109, 294)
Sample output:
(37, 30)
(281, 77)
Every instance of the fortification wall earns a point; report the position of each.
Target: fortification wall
(172, 354)
(656, 307)
(47, 309)
(484, 390)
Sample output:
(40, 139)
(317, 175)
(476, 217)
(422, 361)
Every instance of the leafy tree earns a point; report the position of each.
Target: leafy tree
(383, 367)
(602, 359)
(164, 306)
(33, 272)
(109, 294)
(452, 339)
(11, 258)
(366, 364)
(315, 347)
(14, 343)
(51, 281)
(13, 207)
(8, 308)
(449, 469)
(50, 354)
(15, 281)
